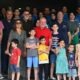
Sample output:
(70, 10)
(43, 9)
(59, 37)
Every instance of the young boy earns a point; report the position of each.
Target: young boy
(43, 52)
(15, 59)
(55, 39)
(32, 54)
(71, 61)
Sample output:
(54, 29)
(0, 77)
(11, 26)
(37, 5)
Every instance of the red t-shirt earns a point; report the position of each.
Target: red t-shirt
(14, 55)
(43, 32)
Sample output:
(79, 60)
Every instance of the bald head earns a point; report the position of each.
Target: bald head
(43, 22)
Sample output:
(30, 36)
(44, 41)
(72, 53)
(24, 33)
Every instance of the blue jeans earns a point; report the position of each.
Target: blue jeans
(14, 68)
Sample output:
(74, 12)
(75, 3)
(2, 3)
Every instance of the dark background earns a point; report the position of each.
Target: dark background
(71, 4)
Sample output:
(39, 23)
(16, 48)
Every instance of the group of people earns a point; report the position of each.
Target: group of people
(48, 42)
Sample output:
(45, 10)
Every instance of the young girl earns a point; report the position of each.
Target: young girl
(71, 61)
(61, 61)
(77, 59)
(55, 39)
(43, 59)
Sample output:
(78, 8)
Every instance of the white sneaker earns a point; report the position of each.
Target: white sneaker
(53, 78)
(1, 77)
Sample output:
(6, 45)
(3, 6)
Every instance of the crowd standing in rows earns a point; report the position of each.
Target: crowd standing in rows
(47, 40)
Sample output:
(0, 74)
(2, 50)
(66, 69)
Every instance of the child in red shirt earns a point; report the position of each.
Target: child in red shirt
(15, 59)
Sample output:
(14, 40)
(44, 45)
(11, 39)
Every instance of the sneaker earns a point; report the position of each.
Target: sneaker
(1, 77)
(53, 78)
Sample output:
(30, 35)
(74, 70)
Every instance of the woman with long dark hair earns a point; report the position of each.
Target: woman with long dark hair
(19, 34)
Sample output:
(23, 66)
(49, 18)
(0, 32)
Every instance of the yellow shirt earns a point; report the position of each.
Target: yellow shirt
(43, 57)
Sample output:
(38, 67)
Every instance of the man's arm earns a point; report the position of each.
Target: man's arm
(69, 36)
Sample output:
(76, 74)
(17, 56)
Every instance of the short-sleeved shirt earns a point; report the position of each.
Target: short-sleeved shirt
(32, 52)
(71, 60)
(27, 25)
(73, 26)
(63, 30)
(16, 52)
(43, 32)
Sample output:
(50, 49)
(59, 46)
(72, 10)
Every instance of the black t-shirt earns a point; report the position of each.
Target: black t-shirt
(27, 26)
(63, 30)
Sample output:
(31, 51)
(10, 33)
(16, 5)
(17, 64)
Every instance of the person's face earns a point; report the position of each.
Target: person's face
(55, 27)
(72, 16)
(41, 15)
(18, 24)
(53, 10)
(17, 13)
(9, 15)
(46, 11)
(13, 45)
(28, 8)
(32, 32)
(71, 48)
(61, 44)
(37, 23)
(64, 9)
(60, 16)
(3, 11)
(43, 22)
(26, 15)
(34, 11)
(43, 41)
(53, 16)
(30, 17)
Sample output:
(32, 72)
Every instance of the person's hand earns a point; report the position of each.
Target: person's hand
(17, 65)
(24, 54)
(72, 36)
(56, 50)
(49, 48)
(53, 50)
(76, 63)
(33, 46)
(7, 51)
